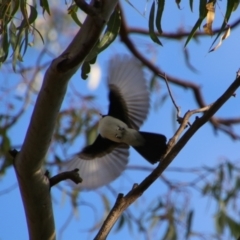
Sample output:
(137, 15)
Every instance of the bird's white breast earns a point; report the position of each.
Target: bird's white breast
(112, 128)
(117, 131)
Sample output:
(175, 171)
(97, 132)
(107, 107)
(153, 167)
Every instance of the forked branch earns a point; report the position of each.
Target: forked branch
(122, 201)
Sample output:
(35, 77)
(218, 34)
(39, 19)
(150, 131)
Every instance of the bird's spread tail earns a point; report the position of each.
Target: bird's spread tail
(154, 146)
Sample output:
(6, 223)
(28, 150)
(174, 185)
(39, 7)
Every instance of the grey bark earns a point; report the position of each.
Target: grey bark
(34, 185)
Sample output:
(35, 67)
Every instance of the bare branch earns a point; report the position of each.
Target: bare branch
(227, 121)
(185, 121)
(179, 118)
(180, 33)
(124, 31)
(34, 185)
(171, 96)
(111, 218)
(72, 175)
(85, 39)
(124, 201)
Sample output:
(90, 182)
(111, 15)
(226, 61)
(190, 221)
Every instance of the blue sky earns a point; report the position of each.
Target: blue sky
(215, 73)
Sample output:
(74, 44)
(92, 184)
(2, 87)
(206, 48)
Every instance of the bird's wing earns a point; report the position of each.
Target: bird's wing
(99, 163)
(128, 93)
(129, 102)
(100, 147)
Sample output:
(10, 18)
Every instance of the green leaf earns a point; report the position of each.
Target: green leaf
(5, 14)
(74, 198)
(178, 3)
(40, 35)
(24, 14)
(14, 7)
(189, 223)
(72, 10)
(5, 142)
(170, 233)
(206, 189)
(202, 9)
(4, 46)
(85, 70)
(230, 169)
(45, 6)
(191, 4)
(110, 34)
(27, 21)
(33, 15)
(113, 28)
(237, 184)
(75, 19)
(13, 34)
(194, 29)
(202, 15)
(220, 221)
(16, 53)
(236, 4)
(159, 15)
(93, 60)
(152, 34)
(233, 227)
(229, 196)
(25, 40)
(159, 205)
(229, 10)
(221, 174)
(152, 82)
(107, 205)
(91, 134)
(120, 223)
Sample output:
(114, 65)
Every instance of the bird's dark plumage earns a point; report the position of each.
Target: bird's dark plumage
(117, 105)
(153, 141)
(129, 102)
(100, 147)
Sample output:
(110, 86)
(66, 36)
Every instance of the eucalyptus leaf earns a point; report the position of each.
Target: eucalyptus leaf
(152, 33)
(159, 15)
(202, 15)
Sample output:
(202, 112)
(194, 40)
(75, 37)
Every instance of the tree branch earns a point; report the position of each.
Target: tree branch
(87, 8)
(124, 201)
(179, 34)
(182, 83)
(34, 185)
(72, 175)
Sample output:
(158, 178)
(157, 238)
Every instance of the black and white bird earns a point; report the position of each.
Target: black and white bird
(129, 102)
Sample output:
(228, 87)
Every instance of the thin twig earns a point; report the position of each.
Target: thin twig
(171, 95)
(179, 118)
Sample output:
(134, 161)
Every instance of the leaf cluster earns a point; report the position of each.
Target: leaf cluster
(206, 11)
(224, 189)
(18, 20)
(17, 24)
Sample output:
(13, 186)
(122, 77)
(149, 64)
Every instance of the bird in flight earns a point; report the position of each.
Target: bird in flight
(129, 102)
